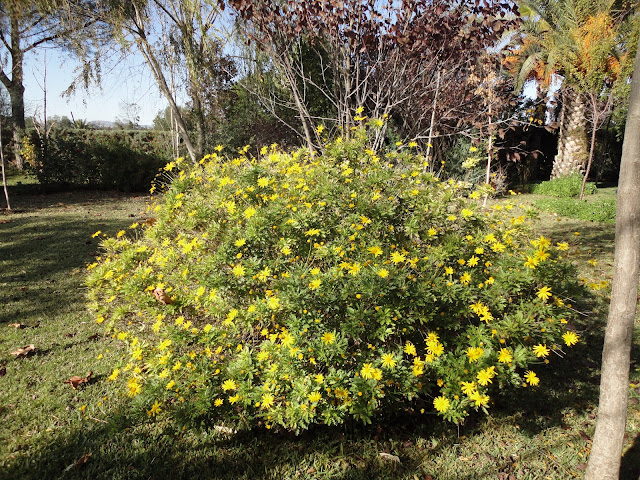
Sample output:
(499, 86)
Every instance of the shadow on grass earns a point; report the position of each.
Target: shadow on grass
(40, 248)
(630, 469)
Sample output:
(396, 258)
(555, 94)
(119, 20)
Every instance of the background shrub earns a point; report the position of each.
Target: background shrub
(289, 290)
(596, 209)
(564, 187)
(106, 159)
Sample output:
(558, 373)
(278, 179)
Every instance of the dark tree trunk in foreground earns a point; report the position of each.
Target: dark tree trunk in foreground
(606, 452)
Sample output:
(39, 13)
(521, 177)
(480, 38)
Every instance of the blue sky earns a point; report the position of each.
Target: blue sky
(127, 82)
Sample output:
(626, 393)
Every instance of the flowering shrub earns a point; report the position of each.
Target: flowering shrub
(290, 290)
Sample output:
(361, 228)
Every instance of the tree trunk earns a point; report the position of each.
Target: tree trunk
(606, 451)
(572, 138)
(16, 90)
(592, 146)
(4, 173)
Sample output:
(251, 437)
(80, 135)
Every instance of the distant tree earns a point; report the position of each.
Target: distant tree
(389, 58)
(160, 29)
(61, 121)
(129, 117)
(26, 26)
(574, 42)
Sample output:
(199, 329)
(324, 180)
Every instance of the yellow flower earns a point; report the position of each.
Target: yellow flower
(478, 399)
(435, 348)
(120, 233)
(441, 404)
(410, 349)
(562, 246)
(468, 387)
(367, 371)
(267, 400)
(498, 247)
(312, 232)
(354, 269)
(474, 353)
(328, 337)
(319, 378)
(375, 250)
(570, 338)
(249, 212)
(541, 350)
(484, 376)
(273, 303)
(229, 385)
(134, 388)
(397, 257)
(532, 262)
(544, 293)
(313, 284)
(218, 402)
(238, 270)
(505, 356)
(531, 378)
(389, 361)
(114, 374)
(383, 272)
(240, 242)
(155, 409)
(448, 270)
(314, 397)
(473, 261)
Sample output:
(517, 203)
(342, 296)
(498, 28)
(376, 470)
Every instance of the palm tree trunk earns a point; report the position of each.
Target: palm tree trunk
(572, 138)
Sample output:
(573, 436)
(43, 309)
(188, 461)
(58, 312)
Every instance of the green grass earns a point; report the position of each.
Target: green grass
(597, 207)
(44, 429)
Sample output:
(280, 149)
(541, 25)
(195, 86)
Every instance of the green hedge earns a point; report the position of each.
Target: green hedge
(564, 187)
(106, 159)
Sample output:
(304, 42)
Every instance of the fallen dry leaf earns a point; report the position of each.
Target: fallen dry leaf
(76, 380)
(389, 457)
(150, 221)
(17, 325)
(162, 296)
(24, 351)
(3, 371)
(81, 462)
(95, 336)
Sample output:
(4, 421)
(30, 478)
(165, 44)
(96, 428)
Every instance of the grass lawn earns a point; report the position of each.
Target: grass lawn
(50, 430)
